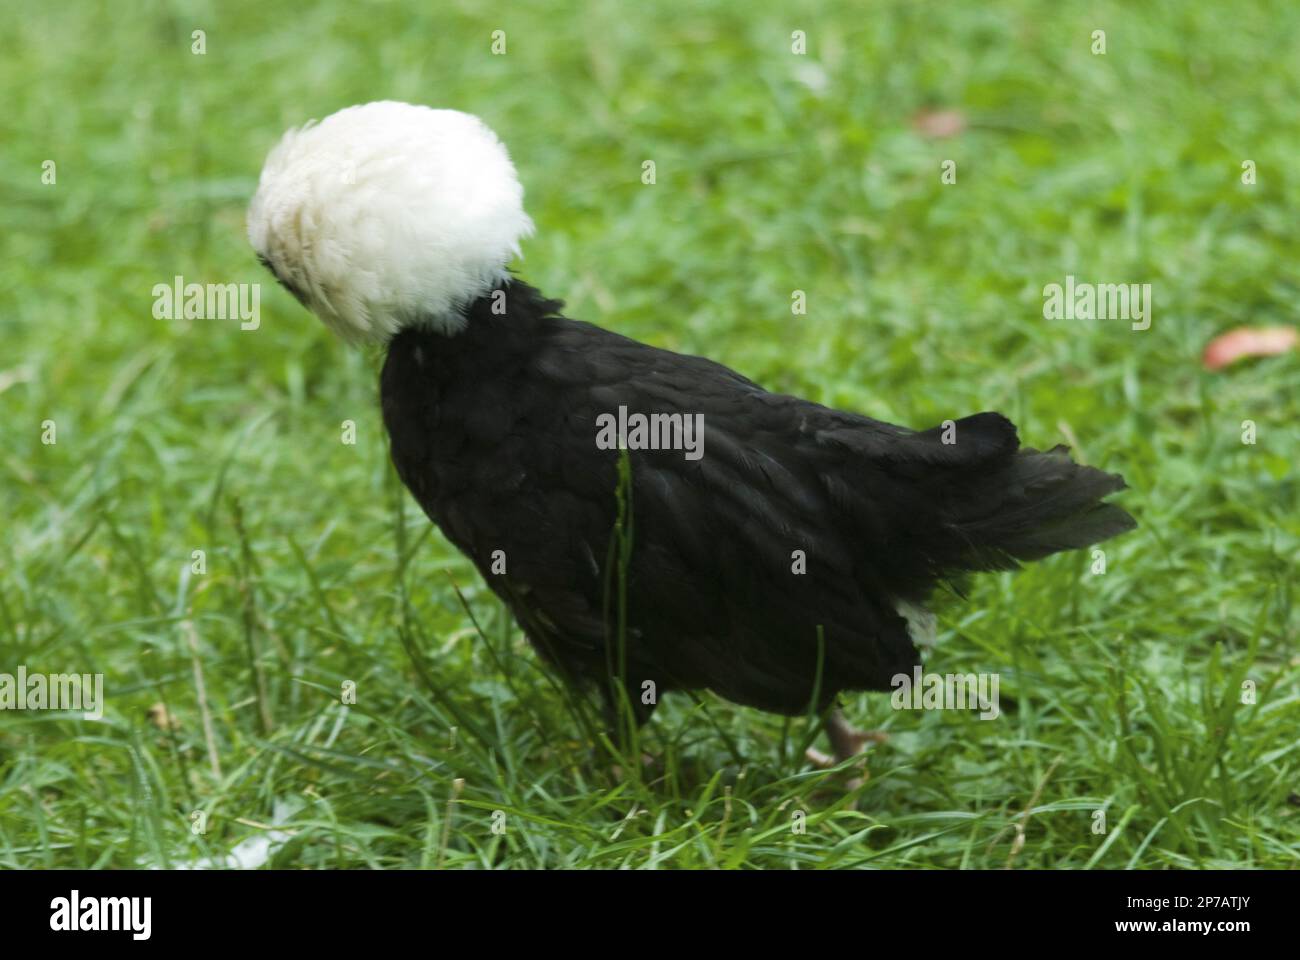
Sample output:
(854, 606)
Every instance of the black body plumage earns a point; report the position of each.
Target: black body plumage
(494, 429)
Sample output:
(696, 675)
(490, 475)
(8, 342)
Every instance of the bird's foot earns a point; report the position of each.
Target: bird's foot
(822, 761)
(847, 742)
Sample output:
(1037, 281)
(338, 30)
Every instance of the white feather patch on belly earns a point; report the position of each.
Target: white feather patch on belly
(922, 625)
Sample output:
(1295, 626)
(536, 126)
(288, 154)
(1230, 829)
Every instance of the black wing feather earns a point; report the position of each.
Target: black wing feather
(494, 431)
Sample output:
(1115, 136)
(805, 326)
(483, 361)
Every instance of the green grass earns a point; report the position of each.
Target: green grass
(1121, 692)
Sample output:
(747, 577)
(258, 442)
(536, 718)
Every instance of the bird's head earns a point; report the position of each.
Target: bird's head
(388, 215)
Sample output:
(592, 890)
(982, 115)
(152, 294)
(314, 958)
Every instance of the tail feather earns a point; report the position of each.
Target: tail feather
(1036, 504)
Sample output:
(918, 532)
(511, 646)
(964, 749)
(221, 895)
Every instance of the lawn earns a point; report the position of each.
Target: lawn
(201, 534)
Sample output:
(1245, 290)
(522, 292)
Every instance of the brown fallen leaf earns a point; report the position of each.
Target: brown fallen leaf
(939, 124)
(1228, 348)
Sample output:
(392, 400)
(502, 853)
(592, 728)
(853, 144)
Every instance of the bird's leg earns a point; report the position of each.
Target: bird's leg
(846, 742)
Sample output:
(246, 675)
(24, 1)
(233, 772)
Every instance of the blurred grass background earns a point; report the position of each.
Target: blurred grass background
(775, 173)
